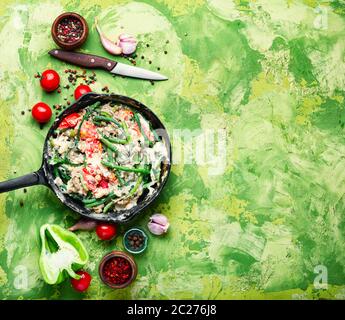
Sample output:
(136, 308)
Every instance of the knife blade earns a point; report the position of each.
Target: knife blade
(97, 62)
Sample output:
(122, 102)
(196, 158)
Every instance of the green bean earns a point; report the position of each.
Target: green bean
(136, 186)
(63, 173)
(83, 184)
(64, 161)
(137, 120)
(99, 202)
(121, 168)
(76, 196)
(55, 171)
(119, 178)
(110, 155)
(105, 114)
(154, 133)
(125, 129)
(107, 119)
(108, 144)
(115, 140)
(88, 201)
(108, 206)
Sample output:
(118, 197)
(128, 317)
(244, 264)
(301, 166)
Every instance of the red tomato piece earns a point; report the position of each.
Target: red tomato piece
(103, 184)
(70, 121)
(90, 180)
(88, 131)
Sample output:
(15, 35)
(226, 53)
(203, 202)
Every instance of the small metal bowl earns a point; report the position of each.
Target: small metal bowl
(117, 254)
(73, 45)
(126, 241)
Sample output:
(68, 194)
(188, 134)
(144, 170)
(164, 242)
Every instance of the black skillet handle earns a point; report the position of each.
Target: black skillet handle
(28, 180)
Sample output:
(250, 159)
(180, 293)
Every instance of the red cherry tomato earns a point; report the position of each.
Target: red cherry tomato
(81, 90)
(106, 231)
(50, 80)
(70, 121)
(41, 112)
(83, 283)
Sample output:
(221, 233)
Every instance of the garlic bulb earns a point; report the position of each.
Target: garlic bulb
(127, 43)
(158, 224)
(108, 45)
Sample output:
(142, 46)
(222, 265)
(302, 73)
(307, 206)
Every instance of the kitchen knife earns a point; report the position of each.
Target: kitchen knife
(96, 62)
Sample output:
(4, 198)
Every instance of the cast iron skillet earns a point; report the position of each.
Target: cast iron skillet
(44, 175)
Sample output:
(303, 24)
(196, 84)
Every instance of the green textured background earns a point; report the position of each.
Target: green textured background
(272, 73)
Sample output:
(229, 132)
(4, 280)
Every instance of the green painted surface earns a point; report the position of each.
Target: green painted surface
(272, 73)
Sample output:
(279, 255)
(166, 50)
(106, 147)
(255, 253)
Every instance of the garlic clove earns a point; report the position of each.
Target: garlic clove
(127, 43)
(108, 45)
(158, 224)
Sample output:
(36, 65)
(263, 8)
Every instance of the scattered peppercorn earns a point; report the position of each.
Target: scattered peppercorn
(21, 203)
(23, 112)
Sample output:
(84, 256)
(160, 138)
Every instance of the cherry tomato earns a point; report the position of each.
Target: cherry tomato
(83, 283)
(70, 121)
(50, 80)
(81, 90)
(106, 231)
(41, 112)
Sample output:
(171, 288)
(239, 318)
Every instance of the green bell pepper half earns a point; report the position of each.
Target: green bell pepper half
(62, 254)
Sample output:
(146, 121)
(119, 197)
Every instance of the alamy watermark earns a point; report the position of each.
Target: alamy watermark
(321, 19)
(205, 148)
(321, 280)
(21, 279)
(200, 147)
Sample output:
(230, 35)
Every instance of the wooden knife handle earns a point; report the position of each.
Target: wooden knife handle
(84, 60)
